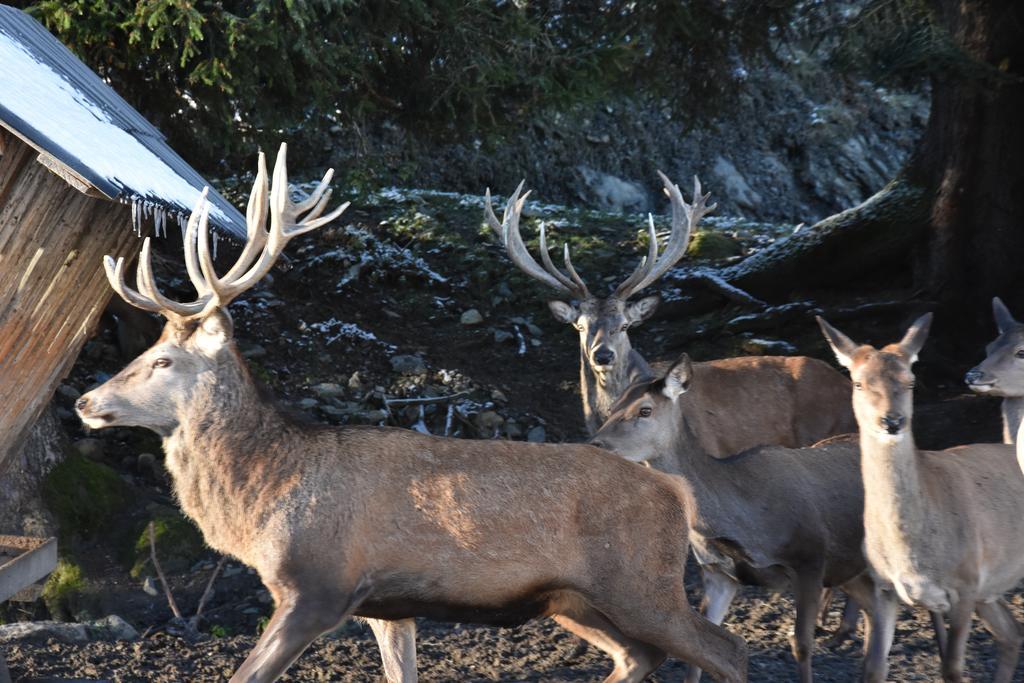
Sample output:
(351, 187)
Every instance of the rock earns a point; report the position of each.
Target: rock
(43, 630)
(90, 448)
(499, 395)
(735, 185)
(149, 587)
(111, 627)
(328, 390)
(233, 570)
(69, 392)
(355, 382)
(408, 364)
(373, 416)
(612, 193)
(254, 351)
(471, 317)
(147, 462)
(767, 347)
(513, 430)
(488, 422)
(501, 336)
(307, 403)
(537, 434)
(335, 412)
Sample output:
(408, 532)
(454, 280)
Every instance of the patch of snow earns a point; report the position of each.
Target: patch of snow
(40, 96)
(335, 329)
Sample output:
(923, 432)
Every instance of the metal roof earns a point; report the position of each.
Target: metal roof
(60, 106)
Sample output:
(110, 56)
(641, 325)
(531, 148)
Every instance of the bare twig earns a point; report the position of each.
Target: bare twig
(160, 573)
(422, 400)
(194, 621)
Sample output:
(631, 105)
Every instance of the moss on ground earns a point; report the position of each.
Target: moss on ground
(63, 588)
(709, 245)
(179, 544)
(84, 496)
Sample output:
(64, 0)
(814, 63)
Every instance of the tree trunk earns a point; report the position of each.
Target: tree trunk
(957, 206)
(21, 505)
(971, 156)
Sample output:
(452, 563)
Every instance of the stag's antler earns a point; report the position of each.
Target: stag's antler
(653, 266)
(262, 247)
(571, 285)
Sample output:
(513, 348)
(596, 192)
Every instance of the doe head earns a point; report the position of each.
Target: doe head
(645, 422)
(883, 383)
(197, 346)
(602, 323)
(1002, 371)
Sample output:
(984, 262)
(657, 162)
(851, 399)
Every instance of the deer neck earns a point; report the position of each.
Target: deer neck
(895, 500)
(216, 455)
(601, 390)
(1013, 413)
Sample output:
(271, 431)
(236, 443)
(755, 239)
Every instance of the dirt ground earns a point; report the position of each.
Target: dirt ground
(432, 262)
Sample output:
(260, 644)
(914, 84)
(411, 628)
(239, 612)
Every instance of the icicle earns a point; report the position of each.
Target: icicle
(216, 238)
(135, 215)
(183, 225)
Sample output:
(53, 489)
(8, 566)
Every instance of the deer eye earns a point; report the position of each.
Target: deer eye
(1020, 353)
(645, 411)
(858, 385)
(162, 363)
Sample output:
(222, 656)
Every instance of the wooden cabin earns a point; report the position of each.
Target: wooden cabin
(82, 174)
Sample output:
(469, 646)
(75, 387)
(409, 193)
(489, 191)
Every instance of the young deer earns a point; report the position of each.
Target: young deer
(941, 528)
(389, 523)
(1002, 371)
(770, 400)
(770, 516)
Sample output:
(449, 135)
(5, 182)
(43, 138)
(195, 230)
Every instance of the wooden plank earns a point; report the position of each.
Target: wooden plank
(23, 561)
(52, 286)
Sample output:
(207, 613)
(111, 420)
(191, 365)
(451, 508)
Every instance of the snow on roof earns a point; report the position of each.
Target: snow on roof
(55, 102)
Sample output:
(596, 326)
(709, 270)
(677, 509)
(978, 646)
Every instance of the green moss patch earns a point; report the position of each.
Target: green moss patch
(63, 589)
(179, 544)
(84, 496)
(710, 245)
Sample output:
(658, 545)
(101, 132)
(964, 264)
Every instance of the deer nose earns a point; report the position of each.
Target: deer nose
(604, 356)
(81, 404)
(893, 422)
(974, 376)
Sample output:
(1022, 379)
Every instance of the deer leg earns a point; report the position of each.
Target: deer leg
(397, 642)
(1006, 631)
(939, 626)
(860, 596)
(296, 623)
(827, 596)
(808, 594)
(634, 660)
(960, 614)
(719, 591)
(876, 661)
(668, 623)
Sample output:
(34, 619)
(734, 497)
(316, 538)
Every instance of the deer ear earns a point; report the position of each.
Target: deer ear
(639, 311)
(1004, 319)
(677, 381)
(564, 312)
(913, 340)
(841, 345)
(214, 332)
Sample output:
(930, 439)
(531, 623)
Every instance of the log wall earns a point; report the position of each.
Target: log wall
(52, 285)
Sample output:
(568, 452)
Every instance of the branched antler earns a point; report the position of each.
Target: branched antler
(262, 248)
(571, 284)
(654, 266)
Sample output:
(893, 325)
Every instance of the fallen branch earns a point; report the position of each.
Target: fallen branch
(160, 573)
(388, 402)
(194, 621)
